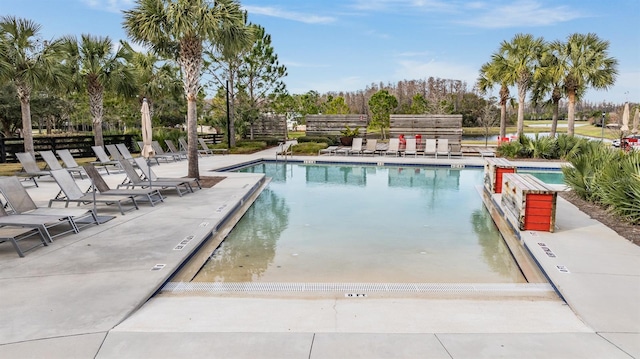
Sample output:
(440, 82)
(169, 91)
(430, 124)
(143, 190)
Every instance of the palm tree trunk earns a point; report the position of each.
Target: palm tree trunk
(504, 96)
(24, 94)
(232, 126)
(571, 112)
(522, 94)
(192, 137)
(554, 119)
(95, 91)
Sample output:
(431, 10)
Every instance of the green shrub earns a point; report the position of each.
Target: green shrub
(317, 139)
(270, 141)
(510, 149)
(308, 148)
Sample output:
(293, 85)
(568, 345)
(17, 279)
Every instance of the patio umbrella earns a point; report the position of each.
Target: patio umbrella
(625, 118)
(147, 138)
(636, 120)
(147, 149)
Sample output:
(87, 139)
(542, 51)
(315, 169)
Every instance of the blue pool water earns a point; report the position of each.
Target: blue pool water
(365, 224)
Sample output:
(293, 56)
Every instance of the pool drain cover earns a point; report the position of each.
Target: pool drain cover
(356, 289)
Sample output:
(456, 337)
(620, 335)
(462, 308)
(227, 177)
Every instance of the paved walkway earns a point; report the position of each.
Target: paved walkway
(91, 295)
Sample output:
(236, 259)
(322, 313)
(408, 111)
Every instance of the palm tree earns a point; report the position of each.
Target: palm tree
(97, 68)
(29, 63)
(548, 81)
(155, 78)
(177, 29)
(522, 55)
(587, 63)
(497, 72)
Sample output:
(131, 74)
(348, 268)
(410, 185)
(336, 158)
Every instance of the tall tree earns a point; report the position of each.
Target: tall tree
(177, 29)
(97, 68)
(548, 82)
(381, 105)
(522, 54)
(28, 62)
(587, 64)
(497, 72)
(260, 74)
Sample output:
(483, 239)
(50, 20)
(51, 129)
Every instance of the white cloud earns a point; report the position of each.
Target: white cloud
(289, 15)
(115, 6)
(521, 13)
(412, 5)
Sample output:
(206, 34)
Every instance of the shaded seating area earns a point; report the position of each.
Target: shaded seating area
(30, 168)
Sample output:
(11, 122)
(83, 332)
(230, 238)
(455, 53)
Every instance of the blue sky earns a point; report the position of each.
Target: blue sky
(345, 45)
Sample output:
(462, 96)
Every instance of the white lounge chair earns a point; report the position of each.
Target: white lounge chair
(394, 147)
(371, 147)
(430, 147)
(411, 148)
(443, 147)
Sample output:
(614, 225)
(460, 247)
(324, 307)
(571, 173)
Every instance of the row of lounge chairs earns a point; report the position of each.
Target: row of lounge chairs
(432, 147)
(27, 219)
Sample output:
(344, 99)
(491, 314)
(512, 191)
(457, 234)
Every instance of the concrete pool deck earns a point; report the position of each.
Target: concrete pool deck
(91, 294)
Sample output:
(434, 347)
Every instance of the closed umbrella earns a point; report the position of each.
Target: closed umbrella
(625, 118)
(147, 148)
(636, 121)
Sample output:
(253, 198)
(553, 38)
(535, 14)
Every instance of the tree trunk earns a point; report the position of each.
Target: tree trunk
(24, 95)
(571, 112)
(522, 94)
(192, 137)
(232, 126)
(504, 96)
(554, 119)
(96, 90)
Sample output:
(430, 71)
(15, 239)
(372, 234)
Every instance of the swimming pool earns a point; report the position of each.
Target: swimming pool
(364, 224)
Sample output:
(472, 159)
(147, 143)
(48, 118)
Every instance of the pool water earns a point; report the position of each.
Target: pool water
(549, 177)
(364, 224)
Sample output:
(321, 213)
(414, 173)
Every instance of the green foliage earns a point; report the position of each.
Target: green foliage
(248, 146)
(510, 149)
(308, 148)
(541, 147)
(336, 106)
(348, 132)
(327, 140)
(381, 104)
(607, 177)
(270, 141)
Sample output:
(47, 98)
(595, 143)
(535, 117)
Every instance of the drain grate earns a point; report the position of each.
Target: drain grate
(243, 287)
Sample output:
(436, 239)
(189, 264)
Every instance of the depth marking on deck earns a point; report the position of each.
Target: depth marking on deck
(158, 267)
(355, 295)
(204, 224)
(221, 208)
(563, 269)
(183, 243)
(457, 165)
(547, 250)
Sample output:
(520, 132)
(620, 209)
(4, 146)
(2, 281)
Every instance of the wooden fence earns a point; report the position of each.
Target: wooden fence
(270, 126)
(428, 126)
(331, 125)
(79, 146)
